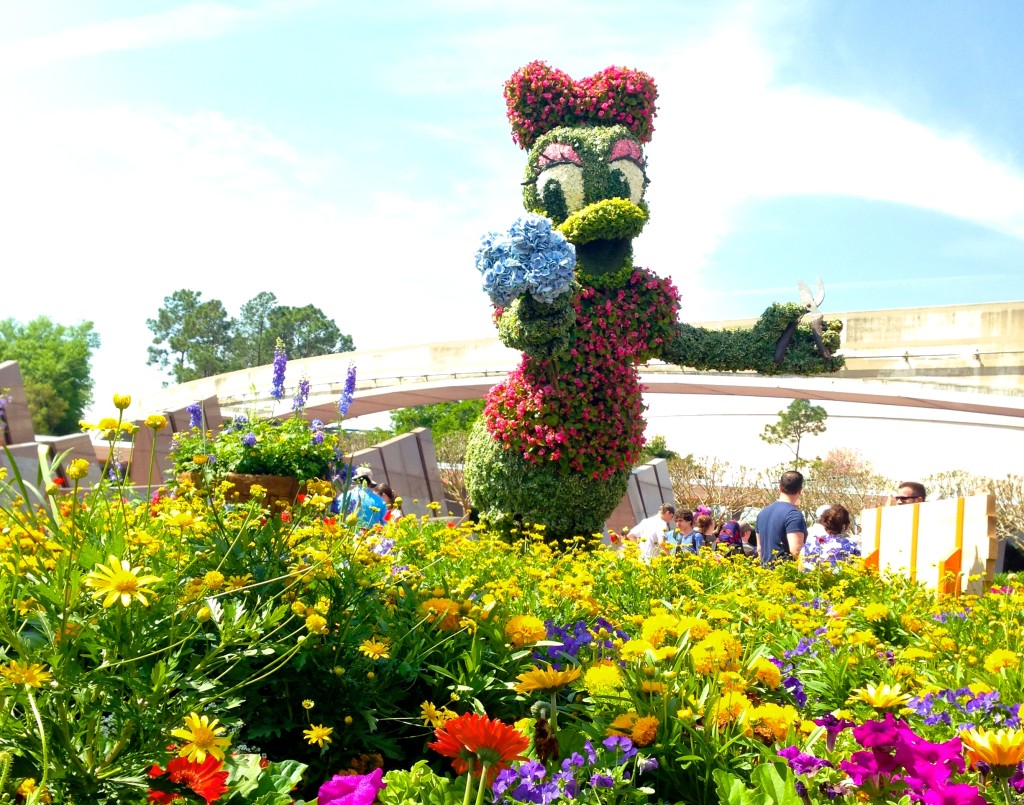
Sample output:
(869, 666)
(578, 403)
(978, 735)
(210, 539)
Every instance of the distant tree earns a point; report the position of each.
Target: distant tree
(54, 361)
(254, 332)
(800, 419)
(441, 418)
(191, 338)
(656, 448)
(846, 478)
(307, 332)
(715, 483)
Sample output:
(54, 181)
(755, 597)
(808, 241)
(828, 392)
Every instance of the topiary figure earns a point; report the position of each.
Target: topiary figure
(560, 434)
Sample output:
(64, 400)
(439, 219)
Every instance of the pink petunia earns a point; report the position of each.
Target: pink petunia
(352, 789)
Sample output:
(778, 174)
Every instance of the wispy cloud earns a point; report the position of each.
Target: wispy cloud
(191, 21)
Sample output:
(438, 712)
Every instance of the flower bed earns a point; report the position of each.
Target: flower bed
(278, 651)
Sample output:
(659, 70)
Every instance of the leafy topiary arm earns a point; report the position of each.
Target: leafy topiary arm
(540, 330)
(762, 348)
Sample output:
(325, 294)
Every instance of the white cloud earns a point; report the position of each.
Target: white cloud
(727, 134)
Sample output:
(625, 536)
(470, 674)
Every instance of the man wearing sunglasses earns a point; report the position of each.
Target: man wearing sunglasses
(910, 492)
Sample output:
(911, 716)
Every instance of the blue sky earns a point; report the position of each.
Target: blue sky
(350, 155)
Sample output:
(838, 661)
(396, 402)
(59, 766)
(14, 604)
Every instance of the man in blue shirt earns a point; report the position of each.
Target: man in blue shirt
(781, 527)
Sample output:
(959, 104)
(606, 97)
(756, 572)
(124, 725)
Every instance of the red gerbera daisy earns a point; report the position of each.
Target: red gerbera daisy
(207, 779)
(490, 743)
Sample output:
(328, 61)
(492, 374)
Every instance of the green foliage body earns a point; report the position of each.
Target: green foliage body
(801, 418)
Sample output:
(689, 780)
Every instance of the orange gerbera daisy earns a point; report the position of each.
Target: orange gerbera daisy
(486, 743)
(207, 779)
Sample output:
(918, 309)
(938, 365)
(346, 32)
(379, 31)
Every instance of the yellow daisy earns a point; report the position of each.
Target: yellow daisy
(1000, 749)
(119, 580)
(546, 680)
(318, 734)
(202, 737)
(882, 697)
(377, 649)
(32, 675)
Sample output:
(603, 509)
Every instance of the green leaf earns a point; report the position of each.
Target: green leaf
(779, 787)
(732, 791)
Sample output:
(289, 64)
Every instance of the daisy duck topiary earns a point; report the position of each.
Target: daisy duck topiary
(559, 436)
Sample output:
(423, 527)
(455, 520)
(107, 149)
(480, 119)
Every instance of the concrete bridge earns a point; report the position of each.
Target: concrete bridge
(963, 360)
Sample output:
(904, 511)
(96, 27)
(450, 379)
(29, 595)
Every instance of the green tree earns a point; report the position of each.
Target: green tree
(441, 418)
(307, 332)
(254, 333)
(54, 361)
(191, 338)
(802, 418)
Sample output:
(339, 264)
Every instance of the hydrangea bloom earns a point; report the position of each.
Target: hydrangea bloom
(531, 257)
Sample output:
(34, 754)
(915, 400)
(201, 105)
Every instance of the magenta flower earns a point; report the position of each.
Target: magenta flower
(959, 794)
(352, 789)
(877, 733)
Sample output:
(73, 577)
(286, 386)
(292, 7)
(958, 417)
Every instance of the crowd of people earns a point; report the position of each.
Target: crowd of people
(780, 533)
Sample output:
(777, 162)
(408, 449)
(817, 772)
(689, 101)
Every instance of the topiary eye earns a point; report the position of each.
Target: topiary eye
(627, 180)
(560, 188)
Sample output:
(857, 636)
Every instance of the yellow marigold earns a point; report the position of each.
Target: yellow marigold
(645, 730)
(719, 651)
(770, 611)
(623, 724)
(911, 623)
(773, 721)
(913, 653)
(316, 624)
(652, 688)
(875, 612)
(697, 627)
(632, 649)
(525, 630)
(665, 653)
(658, 629)
(730, 680)
(730, 707)
(1001, 659)
(766, 672)
(603, 677)
(299, 609)
(442, 612)
(214, 580)
(845, 608)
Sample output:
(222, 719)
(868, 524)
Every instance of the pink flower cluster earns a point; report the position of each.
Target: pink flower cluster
(540, 98)
(583, 410)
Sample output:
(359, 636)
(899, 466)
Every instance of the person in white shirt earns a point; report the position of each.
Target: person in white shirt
(650, 532)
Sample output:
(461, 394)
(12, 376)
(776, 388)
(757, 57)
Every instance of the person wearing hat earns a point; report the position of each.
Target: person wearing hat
(817, 529)
(361, 500)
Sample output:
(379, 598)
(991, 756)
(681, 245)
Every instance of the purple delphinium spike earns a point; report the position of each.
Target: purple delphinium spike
(195, 415)
(280, 362)
(349, 391)
(299, 402)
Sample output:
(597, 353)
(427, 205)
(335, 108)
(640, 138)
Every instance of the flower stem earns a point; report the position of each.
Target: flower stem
(42, 741)
(469, 782)
(483, 787)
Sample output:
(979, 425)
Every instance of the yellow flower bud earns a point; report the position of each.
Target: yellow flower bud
(122, 401)
(156, 421)
(78, 469)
